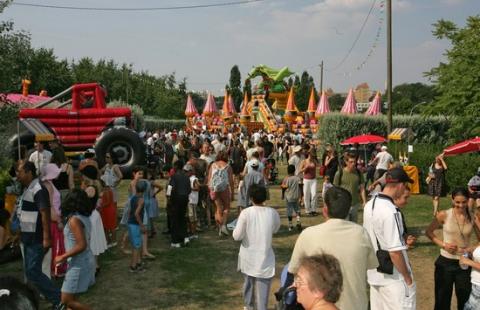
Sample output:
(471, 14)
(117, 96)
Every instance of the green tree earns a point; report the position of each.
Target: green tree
(336, 102)
(235, 87)
(15, 53)
(457, 81)
(302, 91)
(411, 97)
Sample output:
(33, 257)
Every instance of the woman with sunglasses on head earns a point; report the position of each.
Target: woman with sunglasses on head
(319, 282)
(457, 227)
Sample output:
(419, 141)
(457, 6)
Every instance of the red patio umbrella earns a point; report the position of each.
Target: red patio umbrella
(364, 139)
(467, 146)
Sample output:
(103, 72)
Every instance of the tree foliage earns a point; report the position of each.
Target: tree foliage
(457, 81)
(162, 96)
(303, 86)
(411, 97)
(235, 87)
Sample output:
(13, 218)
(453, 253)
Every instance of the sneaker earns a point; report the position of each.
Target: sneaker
(175, 245)
(112, 245)
(193, 237)
(60, 306)
(232, 224)
(290, 228)
(219, 231)
(186, 240)
(224, 230)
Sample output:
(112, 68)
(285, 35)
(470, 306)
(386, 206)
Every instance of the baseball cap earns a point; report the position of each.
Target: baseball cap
(397, 175)
(384, 148)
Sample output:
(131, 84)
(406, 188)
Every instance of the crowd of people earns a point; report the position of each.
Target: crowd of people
(66, 217)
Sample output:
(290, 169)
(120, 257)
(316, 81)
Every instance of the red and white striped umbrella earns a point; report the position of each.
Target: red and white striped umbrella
(350, 105)
(231, 105)
(190, 110)
(375, 107)
(323, 106)
(210, 107)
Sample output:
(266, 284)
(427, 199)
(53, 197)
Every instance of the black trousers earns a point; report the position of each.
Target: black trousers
(178, 219)
(448, 273)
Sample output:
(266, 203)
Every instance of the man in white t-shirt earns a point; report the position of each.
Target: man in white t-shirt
(40, 157)
(393, 289)
(383, 161)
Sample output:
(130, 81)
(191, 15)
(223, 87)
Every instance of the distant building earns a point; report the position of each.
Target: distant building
(362, 93)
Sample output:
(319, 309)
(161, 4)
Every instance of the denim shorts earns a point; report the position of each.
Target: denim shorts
(292, 207)
(135, 236)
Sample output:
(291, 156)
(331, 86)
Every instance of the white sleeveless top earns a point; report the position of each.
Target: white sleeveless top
(452, 233)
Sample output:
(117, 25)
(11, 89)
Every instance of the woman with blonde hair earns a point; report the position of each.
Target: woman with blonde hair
(319, 282)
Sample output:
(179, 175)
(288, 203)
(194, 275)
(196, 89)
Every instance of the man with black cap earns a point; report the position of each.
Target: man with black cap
(390, 288)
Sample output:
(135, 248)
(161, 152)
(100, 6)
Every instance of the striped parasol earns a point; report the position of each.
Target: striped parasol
(350, 105)
(226, 106)
(210, 107)
(375, 107)
(231, 105)
(323, 106)
(190, 110)
(311, 102)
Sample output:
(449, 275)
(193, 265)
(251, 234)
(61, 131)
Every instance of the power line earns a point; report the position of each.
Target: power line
(356, 39)
(183, 7)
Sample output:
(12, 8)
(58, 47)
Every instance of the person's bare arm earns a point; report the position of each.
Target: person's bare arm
(70, 173)
(76, 226)
(399, 262)
(45, 214)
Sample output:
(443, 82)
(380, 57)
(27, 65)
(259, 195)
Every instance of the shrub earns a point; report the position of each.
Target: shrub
(153, 123)
(137, 113)
(336, 127)
(460, 168)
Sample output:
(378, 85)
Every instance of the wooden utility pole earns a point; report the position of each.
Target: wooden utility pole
(389, 66)
(321, 78)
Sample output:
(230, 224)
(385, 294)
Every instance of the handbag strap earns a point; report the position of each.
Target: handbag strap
(373, 206)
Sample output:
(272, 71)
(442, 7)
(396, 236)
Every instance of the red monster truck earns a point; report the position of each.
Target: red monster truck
(87, 123)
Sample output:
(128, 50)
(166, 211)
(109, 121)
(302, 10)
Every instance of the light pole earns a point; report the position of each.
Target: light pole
(389, 65)
(417, 105)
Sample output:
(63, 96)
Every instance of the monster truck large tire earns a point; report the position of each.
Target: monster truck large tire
(125, 144)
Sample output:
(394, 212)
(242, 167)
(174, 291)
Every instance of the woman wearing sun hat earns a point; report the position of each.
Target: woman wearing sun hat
(49, 173)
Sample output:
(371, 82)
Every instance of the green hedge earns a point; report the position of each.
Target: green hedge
(153, 123)
(336, 127)
(460, 168)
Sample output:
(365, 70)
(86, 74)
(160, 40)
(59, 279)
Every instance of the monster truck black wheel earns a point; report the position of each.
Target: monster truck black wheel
(126, 146)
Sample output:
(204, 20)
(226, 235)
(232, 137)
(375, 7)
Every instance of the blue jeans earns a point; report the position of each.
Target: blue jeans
(33, 271)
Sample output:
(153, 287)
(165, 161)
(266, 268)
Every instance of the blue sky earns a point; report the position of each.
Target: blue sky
(203, 44)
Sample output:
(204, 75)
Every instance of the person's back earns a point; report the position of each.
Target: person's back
(349, 242)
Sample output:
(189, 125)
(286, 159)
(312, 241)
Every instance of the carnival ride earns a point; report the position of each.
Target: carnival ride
(271, 107)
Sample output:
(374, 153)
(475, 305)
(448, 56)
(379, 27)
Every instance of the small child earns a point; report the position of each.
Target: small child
(135, 225)
(137, 175)
(291, 184)
(192, 202)
(326, 185)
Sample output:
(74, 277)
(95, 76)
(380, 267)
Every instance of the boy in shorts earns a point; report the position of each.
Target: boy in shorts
(291, 184)
(135, 225)
(192, 202)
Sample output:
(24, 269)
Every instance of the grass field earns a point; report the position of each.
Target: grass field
(203, 275)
